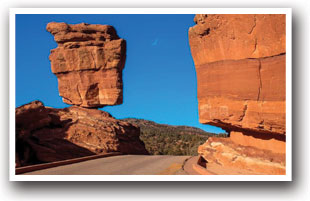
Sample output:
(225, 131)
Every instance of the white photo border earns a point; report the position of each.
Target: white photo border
(12, 104)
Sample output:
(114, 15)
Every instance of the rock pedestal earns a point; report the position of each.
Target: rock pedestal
(46, 134)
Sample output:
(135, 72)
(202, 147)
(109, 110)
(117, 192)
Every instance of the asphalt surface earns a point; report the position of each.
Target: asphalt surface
(121, 165)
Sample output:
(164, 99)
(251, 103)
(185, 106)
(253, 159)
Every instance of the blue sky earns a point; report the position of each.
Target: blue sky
(159, 75)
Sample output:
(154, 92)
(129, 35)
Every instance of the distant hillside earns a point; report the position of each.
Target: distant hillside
(163, 139)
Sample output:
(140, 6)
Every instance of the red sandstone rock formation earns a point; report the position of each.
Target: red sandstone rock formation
(240, 65)
(88, 63)
(46, 134)
(246, 159)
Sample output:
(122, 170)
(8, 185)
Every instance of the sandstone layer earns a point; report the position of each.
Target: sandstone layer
(240, 63)
(88, 63)
(46, 134)
(230, 155)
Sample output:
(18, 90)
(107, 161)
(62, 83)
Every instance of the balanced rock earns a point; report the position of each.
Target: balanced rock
(88, 63)
(240, 63)
(45, 134)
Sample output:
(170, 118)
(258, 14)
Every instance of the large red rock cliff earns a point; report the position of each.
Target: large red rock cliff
(240, 66)
(88, 63)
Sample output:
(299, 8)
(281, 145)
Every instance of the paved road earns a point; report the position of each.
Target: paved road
(121, 165)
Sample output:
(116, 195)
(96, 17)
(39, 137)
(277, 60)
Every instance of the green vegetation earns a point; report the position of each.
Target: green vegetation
(162, 139)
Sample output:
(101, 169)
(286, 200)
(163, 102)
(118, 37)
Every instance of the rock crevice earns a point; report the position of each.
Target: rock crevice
(260, 79)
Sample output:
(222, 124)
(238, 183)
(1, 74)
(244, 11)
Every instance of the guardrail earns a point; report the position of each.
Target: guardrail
(31, 168)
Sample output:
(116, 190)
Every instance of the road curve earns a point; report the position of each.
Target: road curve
(121, 165)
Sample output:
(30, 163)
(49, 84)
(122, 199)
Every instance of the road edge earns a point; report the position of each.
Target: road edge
(32, 168)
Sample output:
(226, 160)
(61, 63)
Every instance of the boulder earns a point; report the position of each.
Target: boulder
(88, 63)
(245, 159)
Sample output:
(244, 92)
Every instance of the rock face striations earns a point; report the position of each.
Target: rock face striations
(46, 134)
(88, 63)
(240, 66)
